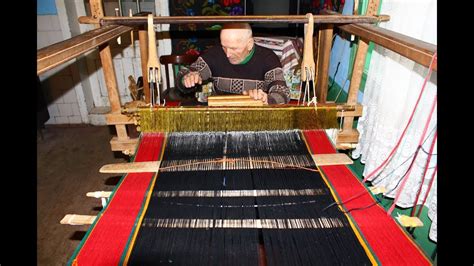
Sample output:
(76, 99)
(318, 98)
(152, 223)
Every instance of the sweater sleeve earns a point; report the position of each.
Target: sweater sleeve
(199, 66)
(278, 92)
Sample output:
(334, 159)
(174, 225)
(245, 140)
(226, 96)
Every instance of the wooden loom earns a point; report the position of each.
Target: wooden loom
(109, 28)
(115, 26)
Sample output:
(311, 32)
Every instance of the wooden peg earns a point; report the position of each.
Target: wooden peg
(152, 64)
(308, 59)
(130, 14)
(119, 38)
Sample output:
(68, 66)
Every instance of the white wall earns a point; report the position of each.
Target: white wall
(58, 84)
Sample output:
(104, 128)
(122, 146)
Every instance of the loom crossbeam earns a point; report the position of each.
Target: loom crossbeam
(154, 166)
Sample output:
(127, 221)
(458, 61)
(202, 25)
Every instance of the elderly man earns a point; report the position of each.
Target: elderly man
(239, 66)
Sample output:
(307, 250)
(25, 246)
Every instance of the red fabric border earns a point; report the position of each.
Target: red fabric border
(107, 240)
(386, 238)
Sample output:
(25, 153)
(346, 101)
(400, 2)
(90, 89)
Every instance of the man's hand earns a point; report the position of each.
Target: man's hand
(191, 79)
(257, 94)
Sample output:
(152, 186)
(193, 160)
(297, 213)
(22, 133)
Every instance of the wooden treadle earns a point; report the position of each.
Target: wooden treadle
(76, 219)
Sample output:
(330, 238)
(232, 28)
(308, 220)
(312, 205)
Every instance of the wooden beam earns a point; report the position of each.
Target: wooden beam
(356, 113)
(134, 167)
(349, 134)
(143, 42)
(154, 166)
(419, 51)
(324, 54)
(120, 119)
(320, 19)
(121, 132)
(61, 52)
(233, 100)
(126, 146)
(97, 11)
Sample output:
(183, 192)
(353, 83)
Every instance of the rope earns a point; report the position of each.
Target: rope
(423, 179)
(408, 123)
(399, 191)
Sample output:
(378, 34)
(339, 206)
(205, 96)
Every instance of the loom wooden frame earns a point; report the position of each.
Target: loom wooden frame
(59, 53)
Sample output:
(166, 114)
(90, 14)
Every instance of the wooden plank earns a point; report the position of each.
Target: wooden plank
(120, 119)
(226, 97)
(348, 136)
(110, 78)
(126, 146)
(231, 100)
(320, 19)
(99, 194)
(153, 166)
(134, 167)
(331, 159)
(61, 52)
(76, 219)
(143, 42)
(411, 48)
(121, 132)
(356, 113)
(106, 58)
(419, 51)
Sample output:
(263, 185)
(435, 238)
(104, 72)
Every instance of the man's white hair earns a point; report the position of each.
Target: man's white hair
(245, 27)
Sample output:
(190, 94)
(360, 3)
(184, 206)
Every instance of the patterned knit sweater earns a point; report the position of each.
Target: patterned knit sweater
(262, 71)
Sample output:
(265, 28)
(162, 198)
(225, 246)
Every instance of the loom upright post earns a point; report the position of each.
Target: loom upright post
(323, 56)
(348, 134)
(109, 75)
(143, 40)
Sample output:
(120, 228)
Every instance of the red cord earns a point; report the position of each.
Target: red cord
(423, 176)
(409, 121)
(420, 143)
(429, 188)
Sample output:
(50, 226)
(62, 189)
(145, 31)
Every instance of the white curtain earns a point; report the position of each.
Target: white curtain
(392, 89)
